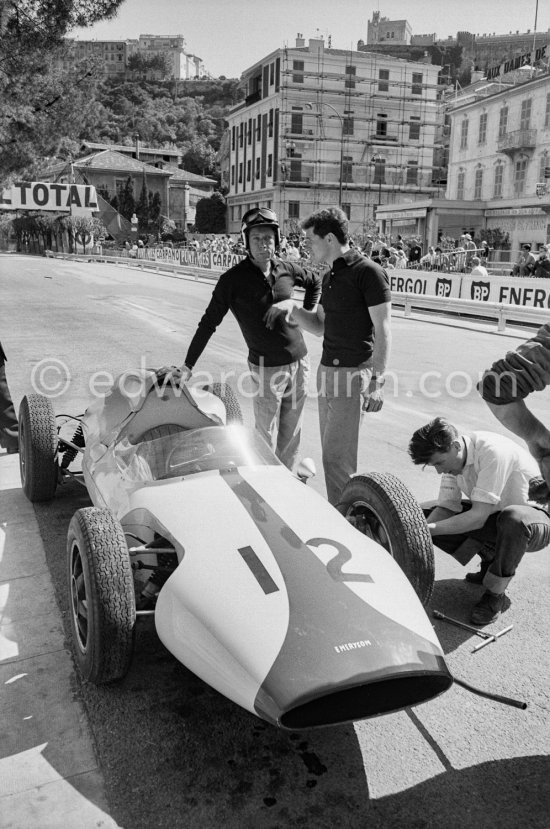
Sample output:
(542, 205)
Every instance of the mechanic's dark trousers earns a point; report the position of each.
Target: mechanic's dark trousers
(506, 536)
(9, 438)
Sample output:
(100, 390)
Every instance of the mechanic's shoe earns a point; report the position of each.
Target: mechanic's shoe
(488, 608)
(477, 578)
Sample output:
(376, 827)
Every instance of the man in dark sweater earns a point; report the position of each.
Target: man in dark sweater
(277, 357)
(353, 316)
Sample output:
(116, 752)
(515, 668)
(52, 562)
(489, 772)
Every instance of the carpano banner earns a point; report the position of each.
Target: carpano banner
(182, 256)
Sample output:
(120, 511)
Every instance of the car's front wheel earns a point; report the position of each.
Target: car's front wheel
(229, 399)
(101, 595)
(37, 447)
(381, 506)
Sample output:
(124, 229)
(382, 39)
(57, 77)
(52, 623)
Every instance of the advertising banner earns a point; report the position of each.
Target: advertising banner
(184, 256)
(425, 283)
(529, 293)
(39, 195)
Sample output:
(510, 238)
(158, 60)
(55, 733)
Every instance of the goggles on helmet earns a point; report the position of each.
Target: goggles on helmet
(260, 216)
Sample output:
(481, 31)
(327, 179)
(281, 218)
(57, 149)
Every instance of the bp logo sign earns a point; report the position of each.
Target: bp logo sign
(480, 290)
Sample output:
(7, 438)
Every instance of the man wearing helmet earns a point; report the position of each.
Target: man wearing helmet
(277, 357)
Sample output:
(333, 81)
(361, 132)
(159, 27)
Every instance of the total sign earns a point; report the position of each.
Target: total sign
(37, 195)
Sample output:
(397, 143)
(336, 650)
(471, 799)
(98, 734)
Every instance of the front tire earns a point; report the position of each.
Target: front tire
(101, 595)
(229, 399)
(381, 506)
(37, 448)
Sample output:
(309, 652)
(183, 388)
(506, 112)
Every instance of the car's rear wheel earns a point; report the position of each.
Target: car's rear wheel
(37, 447)
(101, 595)
(381, 506)
(229, 400)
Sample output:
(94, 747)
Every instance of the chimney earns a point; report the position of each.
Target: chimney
(316, 44)
(136, 138)
(300, 41)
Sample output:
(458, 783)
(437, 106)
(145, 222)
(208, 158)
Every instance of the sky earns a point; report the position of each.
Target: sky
(232, 35)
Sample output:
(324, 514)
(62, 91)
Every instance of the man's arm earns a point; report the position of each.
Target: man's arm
(312, 283)
(373, 398)
(464, 522)
(512, 379)
(215, 312)
(312, 321)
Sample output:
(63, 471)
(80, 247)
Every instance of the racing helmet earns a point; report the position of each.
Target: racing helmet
(260, 216)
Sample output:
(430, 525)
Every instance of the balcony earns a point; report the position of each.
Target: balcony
(253, 98)
(517, 140)
(378, 136)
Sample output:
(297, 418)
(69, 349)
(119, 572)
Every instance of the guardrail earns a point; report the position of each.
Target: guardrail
(501, 312)
(140, 264)
(498, 311)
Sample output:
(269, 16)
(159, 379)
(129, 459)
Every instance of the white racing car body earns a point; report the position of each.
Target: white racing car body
(263, 589)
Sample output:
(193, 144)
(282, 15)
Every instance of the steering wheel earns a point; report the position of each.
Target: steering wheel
(171, 466)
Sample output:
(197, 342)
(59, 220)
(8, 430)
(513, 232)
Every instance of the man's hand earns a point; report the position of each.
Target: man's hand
(285, 307)
(174, 374)
(373, 397)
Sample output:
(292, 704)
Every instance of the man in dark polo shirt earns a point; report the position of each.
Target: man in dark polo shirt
(355, 303)
(277, 357)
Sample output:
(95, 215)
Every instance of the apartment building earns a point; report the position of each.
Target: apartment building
(498, 175)
(112, 53)
(500, 157)
(322, 126)
(181, 64)
(115, 53)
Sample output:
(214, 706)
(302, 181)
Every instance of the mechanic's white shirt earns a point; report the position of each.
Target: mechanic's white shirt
(497, 472)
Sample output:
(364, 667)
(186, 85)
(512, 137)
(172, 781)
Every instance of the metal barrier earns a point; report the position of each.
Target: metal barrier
(500, 312)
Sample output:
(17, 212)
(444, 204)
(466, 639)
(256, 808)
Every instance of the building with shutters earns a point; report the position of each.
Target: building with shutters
(322, 126)
(498, 180)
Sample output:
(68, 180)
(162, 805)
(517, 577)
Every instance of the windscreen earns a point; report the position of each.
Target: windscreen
(190, 451)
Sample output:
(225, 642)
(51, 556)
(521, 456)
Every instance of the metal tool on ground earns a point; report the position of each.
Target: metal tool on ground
(482, 633)
(492, 638)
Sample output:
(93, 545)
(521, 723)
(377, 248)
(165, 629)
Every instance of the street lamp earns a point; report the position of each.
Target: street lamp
(376, 159)
(309, 105)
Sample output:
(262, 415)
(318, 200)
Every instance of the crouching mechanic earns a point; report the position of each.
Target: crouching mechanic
(277, 357)
(494, 474)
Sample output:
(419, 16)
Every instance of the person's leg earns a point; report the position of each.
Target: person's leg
(339, 419)
(464, 546)
(270, 384)
(265, 403)
(291, 413)
(9, 431)
(520, 529)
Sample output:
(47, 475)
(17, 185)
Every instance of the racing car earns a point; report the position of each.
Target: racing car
(304, 614)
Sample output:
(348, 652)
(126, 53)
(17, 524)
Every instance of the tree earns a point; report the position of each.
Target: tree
(41, 100)
(142, 206)
(210, 215)
(126, 202)
(200, 157)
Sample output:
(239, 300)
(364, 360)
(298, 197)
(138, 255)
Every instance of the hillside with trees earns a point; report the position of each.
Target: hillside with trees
(50, 104)
(186, 114)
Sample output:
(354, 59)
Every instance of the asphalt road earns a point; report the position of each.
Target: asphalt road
(173, 752)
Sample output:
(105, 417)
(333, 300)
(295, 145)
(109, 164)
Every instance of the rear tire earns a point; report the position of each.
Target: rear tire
(229, 400)
(381, 506)
(37, 448)
(101, 595)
